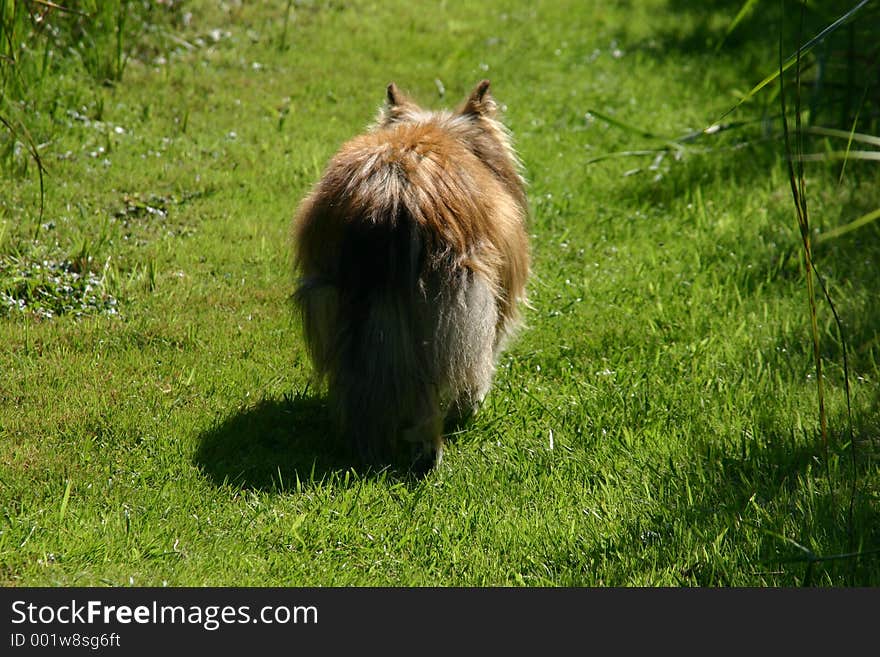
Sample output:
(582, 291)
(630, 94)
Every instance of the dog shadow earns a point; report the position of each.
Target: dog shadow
(283, 444)
(273, 445)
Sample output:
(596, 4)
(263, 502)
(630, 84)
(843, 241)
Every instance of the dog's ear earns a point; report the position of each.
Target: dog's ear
(396, 106)
(480, 102)
(393, 95)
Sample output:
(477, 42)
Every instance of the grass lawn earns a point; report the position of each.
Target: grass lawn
(655, 424)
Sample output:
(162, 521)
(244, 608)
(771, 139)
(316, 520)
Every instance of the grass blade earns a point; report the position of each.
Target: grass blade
(864, 220)
(844, 134)
(744, 11)
(52, 5)
(839, 155)
(618, 154)
(627, 127)
(795, 58)
(797, 182)
(65, 500)
(35, 154)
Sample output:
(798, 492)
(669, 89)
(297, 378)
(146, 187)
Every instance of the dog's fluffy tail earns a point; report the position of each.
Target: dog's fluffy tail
(401, 345)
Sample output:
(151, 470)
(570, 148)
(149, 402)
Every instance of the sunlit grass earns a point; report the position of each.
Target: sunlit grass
(655, 423)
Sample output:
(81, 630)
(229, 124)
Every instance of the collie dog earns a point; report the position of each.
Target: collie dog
(413, 255)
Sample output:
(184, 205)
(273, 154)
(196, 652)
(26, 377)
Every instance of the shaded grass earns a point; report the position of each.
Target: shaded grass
(655, 423)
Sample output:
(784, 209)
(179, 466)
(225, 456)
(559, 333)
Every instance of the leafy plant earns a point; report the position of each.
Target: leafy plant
(48, 288)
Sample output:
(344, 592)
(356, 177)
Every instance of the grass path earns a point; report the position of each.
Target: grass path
(654, 425)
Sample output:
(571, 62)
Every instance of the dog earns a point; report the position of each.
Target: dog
(413, 256)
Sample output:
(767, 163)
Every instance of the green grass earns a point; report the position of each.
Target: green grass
(654, 424)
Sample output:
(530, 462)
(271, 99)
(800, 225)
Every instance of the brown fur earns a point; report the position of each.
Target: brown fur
(413, 256)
